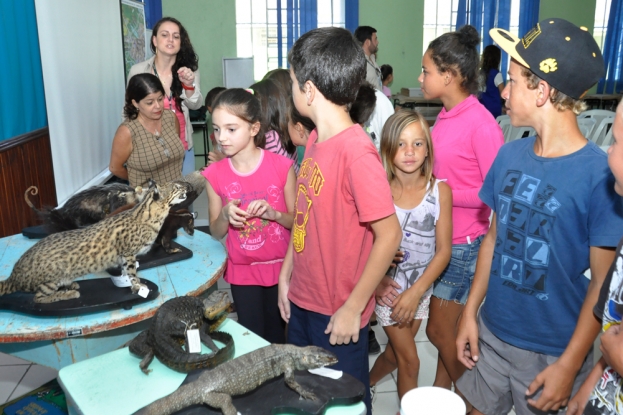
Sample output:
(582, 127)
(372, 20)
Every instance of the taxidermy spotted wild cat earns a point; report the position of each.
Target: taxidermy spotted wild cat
(86, 207)
(50, 267)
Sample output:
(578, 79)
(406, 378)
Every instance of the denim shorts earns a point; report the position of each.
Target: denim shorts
(455, 281)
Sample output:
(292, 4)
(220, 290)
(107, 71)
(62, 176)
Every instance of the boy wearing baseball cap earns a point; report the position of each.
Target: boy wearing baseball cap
(555, 215)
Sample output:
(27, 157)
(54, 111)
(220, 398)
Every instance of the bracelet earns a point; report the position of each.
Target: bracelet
(188, 88)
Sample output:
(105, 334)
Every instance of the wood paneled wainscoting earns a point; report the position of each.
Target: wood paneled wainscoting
(25, 161)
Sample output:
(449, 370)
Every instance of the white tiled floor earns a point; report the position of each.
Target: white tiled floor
(18, 377)
(386, 401)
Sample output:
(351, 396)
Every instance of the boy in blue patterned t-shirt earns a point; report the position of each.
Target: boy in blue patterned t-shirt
(555, 215)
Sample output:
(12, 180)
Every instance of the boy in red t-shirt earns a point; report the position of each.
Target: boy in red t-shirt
(345, 231)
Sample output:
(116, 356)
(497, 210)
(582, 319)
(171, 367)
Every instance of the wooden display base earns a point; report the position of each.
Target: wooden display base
(157, 257)
(35, 232)
(275, 397)
(96, 295)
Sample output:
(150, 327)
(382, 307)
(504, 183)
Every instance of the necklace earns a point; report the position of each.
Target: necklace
(156, 135)
(165, 150)
(169, 97)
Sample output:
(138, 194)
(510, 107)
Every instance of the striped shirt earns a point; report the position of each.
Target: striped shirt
(274, 146)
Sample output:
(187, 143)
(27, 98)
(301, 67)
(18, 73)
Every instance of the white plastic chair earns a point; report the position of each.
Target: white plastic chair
(607, 140)
(586, 125)
(597, 115)
(507, 129)
(521, 132)
(603, 128)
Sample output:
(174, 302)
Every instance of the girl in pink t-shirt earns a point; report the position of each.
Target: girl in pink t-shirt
(466, 139)
(251, 201)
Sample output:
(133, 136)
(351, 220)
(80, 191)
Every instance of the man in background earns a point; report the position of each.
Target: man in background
(366, 35)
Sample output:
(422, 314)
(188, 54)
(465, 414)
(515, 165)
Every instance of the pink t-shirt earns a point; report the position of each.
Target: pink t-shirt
(170, 104)
(387, 92)
(256, 251)
(466, 140)
(341, 187)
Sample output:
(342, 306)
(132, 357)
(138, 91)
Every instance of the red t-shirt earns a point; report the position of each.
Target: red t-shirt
(341, 187)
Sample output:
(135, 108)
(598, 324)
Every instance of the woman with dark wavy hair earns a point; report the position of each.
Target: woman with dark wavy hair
(177, 66)
(147, 145)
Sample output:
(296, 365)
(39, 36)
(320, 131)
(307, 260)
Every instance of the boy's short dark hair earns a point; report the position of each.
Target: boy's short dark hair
(364, 105)
(212, 94)
(363, 33)
(332, 60)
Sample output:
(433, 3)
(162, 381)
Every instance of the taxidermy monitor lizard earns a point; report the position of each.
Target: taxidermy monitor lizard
(241, 375)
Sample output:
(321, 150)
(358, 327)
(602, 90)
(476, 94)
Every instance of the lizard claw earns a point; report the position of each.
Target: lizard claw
(307, 395)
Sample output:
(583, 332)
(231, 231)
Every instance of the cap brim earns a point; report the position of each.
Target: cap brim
(508, 42)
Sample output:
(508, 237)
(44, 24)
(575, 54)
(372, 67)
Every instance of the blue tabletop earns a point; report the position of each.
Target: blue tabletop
(188, 277)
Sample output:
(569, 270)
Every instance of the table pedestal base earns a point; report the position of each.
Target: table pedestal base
(60, 353)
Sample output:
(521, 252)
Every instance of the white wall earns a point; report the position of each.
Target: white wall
(83, 76)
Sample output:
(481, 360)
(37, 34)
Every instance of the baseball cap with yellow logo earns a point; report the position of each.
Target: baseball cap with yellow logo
(557, 51)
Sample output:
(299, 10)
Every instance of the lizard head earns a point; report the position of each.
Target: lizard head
(313, 357)
(216, 307)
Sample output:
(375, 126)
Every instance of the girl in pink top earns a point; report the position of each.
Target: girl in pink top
(251, 201)
(466, 138)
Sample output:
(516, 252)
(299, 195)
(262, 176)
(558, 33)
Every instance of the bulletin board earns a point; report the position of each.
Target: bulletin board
(133, 26)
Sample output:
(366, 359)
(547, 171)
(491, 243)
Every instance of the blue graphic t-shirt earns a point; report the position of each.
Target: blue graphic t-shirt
(550, 211)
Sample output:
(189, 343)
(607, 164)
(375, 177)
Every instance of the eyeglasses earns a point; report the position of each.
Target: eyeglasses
(165, 149)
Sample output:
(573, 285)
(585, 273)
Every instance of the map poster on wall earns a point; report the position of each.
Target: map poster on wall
(133, 26)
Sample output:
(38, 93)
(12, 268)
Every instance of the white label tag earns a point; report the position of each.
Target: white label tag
(121, 281)
(143, 291)
(194, 342)
(326, 372)
(136, 264)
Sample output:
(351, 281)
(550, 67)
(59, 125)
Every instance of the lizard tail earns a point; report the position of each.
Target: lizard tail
(183, 397)
(224, 354)
(177, 359)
